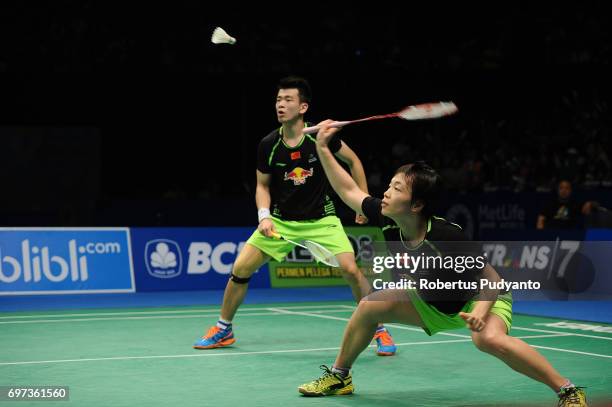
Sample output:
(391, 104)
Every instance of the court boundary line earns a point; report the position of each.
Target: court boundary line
(194, 355)
(241, 313)
(282, 311)
(572, 351)
(404, 327)
(542, 336)
(248, 314)
(449, 334)
(520, 328)
(217, 310)
(541, 330)
(216, 314)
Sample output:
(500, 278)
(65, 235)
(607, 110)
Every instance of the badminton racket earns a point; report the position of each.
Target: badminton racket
(320, 253)
(415, 112)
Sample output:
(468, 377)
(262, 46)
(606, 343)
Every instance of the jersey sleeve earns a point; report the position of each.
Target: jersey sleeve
(263, 153)
(372, 209)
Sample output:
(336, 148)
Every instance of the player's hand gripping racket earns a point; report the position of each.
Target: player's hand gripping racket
(416, 112)
(320, 253)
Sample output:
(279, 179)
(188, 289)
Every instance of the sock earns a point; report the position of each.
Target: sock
(380, 329)
(341, 371)
(568, 385)
(223, 324)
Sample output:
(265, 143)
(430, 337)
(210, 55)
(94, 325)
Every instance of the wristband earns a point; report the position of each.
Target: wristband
(263, 213)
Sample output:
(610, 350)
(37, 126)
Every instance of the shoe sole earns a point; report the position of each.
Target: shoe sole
(341, 392)
(221, 344)
(385, 353)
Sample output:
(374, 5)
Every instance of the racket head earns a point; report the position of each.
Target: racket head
(321, 254)
(428, 111)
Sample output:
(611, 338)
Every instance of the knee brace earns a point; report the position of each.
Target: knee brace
(239, 280)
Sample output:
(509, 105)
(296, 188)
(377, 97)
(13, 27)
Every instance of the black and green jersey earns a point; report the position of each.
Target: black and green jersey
(438, 242)
(299, 187)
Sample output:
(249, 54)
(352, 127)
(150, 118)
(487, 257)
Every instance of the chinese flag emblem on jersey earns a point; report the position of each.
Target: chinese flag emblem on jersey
(296, 155)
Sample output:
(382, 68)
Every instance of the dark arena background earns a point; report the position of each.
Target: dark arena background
(129, 146)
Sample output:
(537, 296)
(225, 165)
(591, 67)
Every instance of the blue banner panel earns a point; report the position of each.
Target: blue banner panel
(65, 261)
(189, 258)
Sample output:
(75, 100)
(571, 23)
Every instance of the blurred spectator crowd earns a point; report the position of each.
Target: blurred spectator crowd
(91, 40)
(85, 35)
(513, 155)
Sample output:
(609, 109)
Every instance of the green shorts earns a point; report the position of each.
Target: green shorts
(436, 321)
(327, 231)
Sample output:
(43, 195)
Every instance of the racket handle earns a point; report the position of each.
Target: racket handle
(314, 129)
(276, 235)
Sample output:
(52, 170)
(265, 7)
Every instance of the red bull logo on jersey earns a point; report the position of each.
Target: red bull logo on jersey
(298, 175)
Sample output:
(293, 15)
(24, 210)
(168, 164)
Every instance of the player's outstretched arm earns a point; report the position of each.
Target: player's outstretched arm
(348, 156)
(345, 186)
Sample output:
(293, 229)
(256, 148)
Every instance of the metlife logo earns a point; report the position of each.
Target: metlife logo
(65, 260)
(189, 258)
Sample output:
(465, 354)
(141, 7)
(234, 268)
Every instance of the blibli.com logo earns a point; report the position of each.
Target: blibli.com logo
(36, 263)
(163, 258)
(65, 260)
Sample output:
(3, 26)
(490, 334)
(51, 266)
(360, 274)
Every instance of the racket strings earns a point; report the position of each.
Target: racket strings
(321, 254)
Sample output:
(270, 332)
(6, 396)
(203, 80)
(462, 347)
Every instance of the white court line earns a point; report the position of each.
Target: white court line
(201, 355)
(561, 332)
(532, 329)
(43, 321)
(445, 333)
(284, 311)
(572, 351)
(553, 333)
(542, 336)
(404, 327)
(217, 310)
(248, 314)
(262, 353)
(277, 311)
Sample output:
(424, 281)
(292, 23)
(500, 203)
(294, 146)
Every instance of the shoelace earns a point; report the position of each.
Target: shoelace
(328, 373)
(213, 331)
(570, 394)
(385, 338)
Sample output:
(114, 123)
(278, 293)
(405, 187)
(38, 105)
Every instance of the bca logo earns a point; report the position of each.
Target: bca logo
(163, 258)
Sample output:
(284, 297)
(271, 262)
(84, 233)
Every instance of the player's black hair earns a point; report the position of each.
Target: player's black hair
(301, 84)
(425, 185)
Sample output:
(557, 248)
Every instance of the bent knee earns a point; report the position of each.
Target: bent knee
(351, 272)
(365, 306)
(242, 270)
(493, 344)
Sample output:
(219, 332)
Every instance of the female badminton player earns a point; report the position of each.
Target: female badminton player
(405, 211)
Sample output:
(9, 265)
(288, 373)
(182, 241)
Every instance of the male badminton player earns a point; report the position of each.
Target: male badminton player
(406, 210)
(292, 197)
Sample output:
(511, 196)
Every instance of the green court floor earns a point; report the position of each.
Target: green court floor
(143, 357)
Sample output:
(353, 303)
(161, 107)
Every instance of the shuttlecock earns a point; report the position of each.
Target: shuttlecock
(219, 36)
